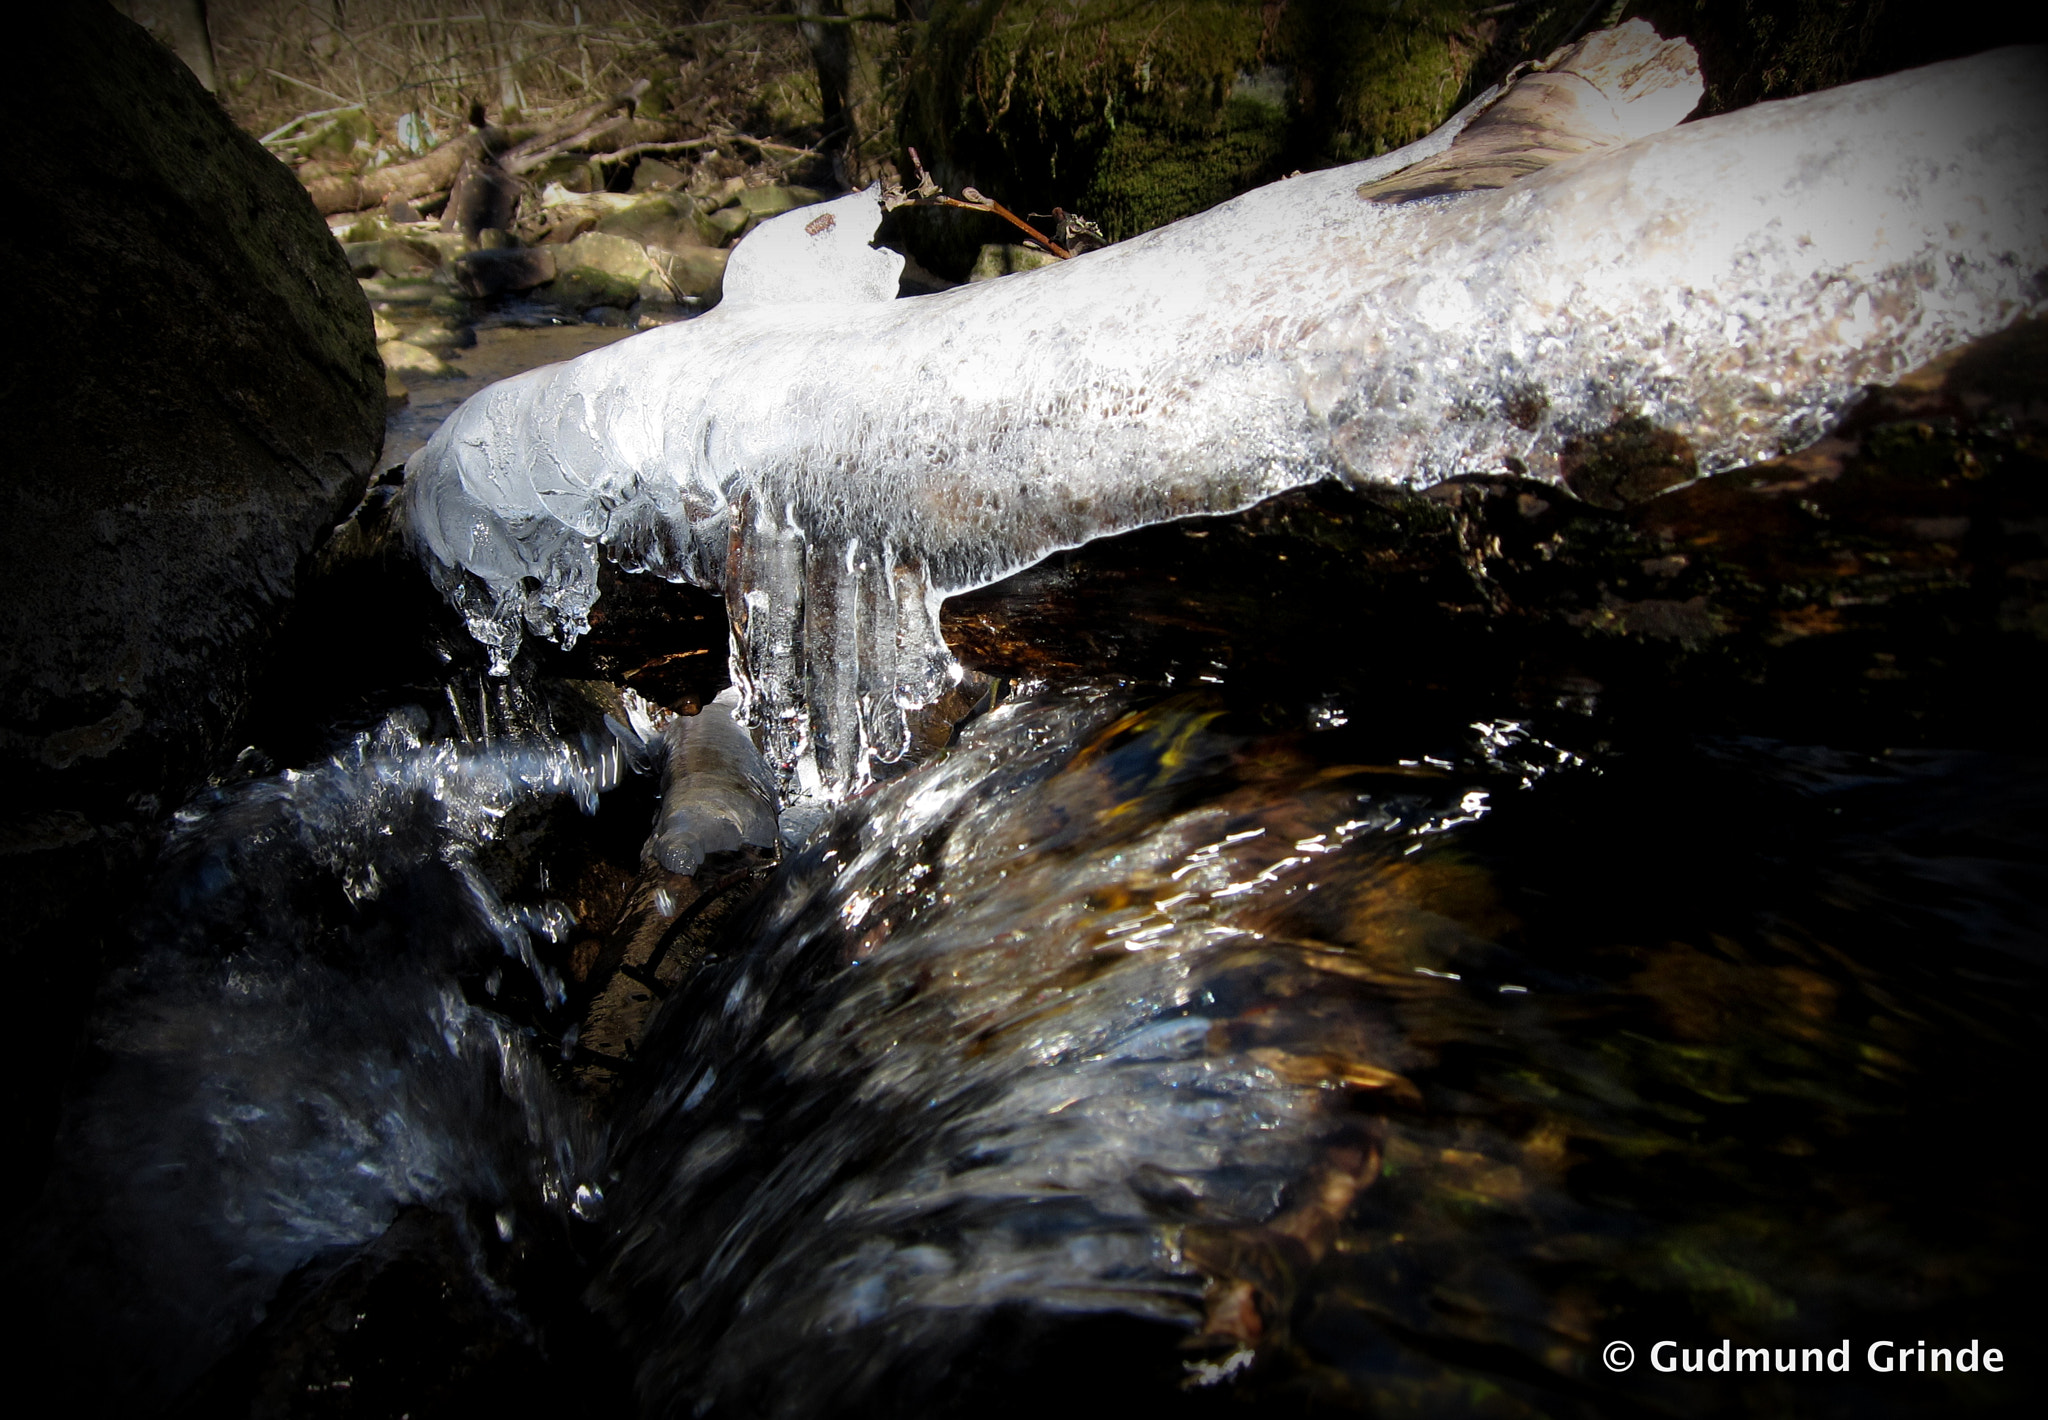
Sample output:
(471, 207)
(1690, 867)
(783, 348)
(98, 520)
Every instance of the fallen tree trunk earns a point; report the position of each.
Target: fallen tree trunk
(437, 171)
(837, 463)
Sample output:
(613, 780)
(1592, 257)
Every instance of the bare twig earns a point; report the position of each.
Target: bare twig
(709, 140)
(929, 194)
(527, 161)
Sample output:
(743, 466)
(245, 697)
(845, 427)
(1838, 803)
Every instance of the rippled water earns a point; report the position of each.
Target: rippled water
(1133, 1055)
(1397, 1082)
(303, 1041)
(1365, 1032)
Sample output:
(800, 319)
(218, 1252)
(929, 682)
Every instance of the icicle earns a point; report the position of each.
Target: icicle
(837, 464)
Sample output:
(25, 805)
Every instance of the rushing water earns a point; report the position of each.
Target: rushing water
(303, 1041)
(1296, 1005)
(1137, 1053)
(1392, 1076)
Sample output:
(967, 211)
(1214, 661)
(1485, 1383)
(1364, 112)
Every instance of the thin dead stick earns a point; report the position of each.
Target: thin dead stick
(975, 202)
(767, 147)
(690, 145)
(929, 194)
(733, 21)
(526, 162)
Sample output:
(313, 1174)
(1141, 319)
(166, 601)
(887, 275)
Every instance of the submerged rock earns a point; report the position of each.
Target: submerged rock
(716, 795)
(402, 357)
(504, 271)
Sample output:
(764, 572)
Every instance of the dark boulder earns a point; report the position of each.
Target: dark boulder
(200, 402)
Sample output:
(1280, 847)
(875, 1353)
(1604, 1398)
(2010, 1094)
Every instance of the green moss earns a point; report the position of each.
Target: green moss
(1378, 76)
(1137, 112)
(1147, 176)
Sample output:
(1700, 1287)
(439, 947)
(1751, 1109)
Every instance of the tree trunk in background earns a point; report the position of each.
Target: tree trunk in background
(832, 51)
(181, 26)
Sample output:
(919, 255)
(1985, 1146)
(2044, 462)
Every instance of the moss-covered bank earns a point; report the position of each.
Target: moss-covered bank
(1139, 112)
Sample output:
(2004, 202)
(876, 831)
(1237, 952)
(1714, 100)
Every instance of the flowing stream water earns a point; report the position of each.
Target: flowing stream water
(1163, 1043)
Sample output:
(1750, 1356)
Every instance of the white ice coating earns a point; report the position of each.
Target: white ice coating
(838, 464)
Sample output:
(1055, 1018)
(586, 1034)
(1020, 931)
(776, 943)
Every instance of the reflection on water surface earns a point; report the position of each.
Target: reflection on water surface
(1391, 1076)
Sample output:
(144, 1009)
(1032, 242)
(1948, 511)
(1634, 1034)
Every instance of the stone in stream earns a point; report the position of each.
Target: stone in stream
(402, 357)
(599, 269)
(716, 794)
(721, 224)
(694, 271)
(401, 257)
(663, 219)
(761, 203)
(442, 335)
(653, 175)
(838, 463)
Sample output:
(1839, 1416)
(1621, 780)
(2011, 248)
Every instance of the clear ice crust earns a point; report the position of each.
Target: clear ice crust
(837, 463)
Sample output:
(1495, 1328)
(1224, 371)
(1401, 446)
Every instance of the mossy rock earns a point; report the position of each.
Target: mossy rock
(723, 225)
(761, 203)
(998, 259)
(599, 269)
(661, 219)
(695, 271)
(1137, 114)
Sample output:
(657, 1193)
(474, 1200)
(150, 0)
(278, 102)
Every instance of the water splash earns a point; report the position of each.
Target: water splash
(1020, 1032)
(288, 1059)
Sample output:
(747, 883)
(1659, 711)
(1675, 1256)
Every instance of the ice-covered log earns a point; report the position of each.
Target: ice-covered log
(837, 463)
